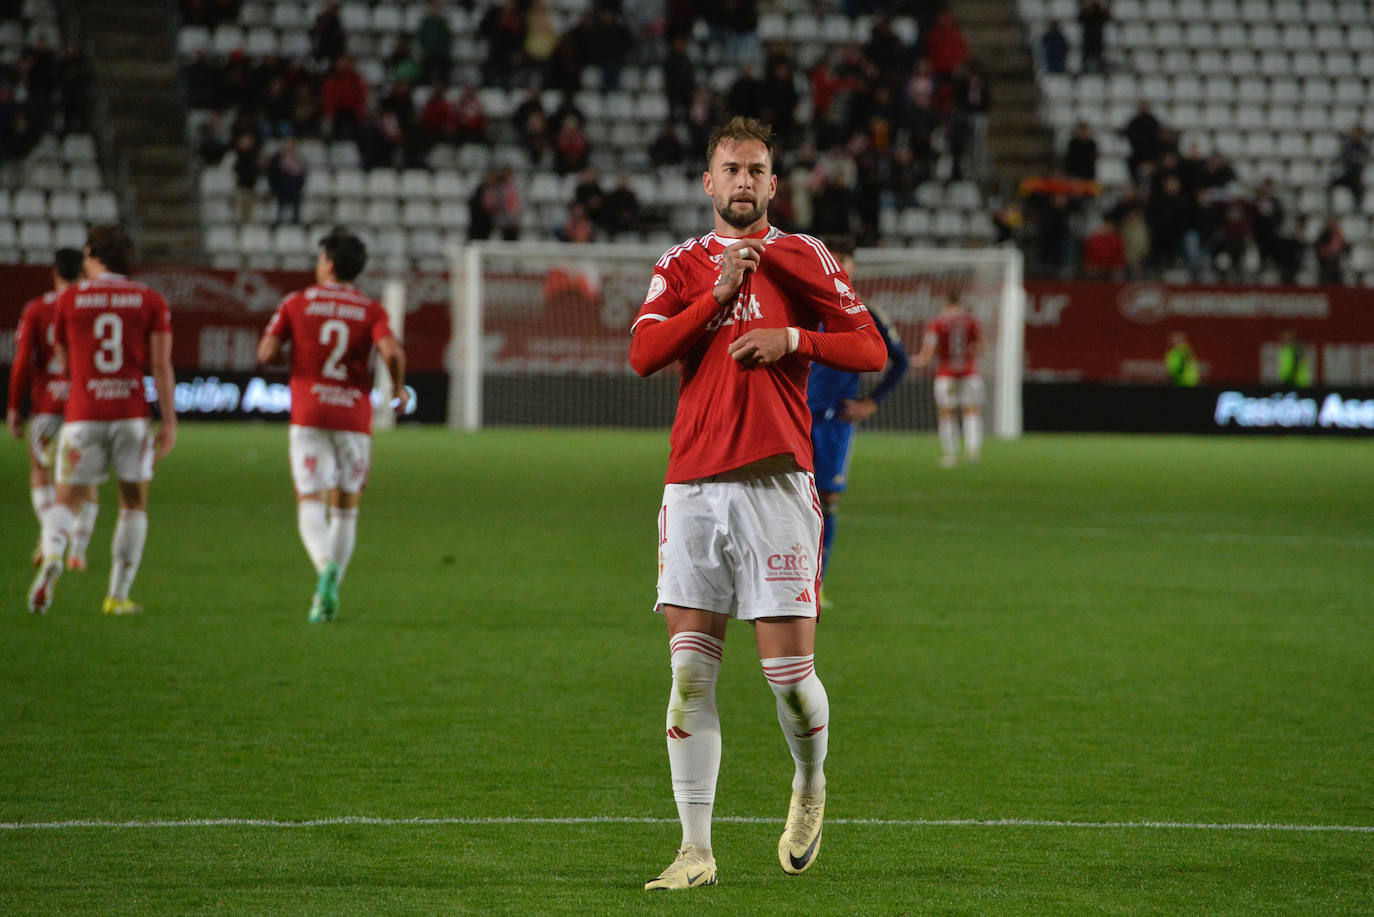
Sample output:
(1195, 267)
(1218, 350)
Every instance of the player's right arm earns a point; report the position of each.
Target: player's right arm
(394, 356)
(662, 336)
(21, 373)
(160, 362)
(928, 342)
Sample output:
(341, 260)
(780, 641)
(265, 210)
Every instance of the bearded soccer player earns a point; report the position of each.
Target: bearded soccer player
(332, 328)
(836, 408)
(38, 396)
(740, 525)
(954, 339)
(109, 332)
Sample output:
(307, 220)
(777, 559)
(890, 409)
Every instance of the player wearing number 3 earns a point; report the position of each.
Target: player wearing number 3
(740, 525)
(110, 332)
(332, 328)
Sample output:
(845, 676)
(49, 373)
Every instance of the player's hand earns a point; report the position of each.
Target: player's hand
(400, 399)
(759, 347)
(164, 440)
(857, 410)
(737, 262)
(15, 421)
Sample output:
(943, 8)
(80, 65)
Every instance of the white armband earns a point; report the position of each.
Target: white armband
(793, 339)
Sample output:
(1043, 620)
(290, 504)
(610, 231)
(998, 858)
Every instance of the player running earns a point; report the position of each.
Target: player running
(740, 525)
(38, 396)
(332, 328)
(836, 408)
(954, 340)
(109, 332)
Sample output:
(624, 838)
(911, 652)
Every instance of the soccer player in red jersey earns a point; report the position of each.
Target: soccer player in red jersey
(740, 526)
(954, 339)
(109, 332)
(38, 396)
(332, 328)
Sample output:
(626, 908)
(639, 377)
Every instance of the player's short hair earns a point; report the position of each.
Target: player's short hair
(347, 251)
(67, 263)
(109, 244)
(739, 130)
(840, 245)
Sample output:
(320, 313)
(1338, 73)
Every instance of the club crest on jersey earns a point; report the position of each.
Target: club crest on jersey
(848, 300)
(656, 288)
(743, 310)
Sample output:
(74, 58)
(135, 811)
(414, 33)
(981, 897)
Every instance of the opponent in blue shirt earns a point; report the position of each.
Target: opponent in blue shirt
(836, 407)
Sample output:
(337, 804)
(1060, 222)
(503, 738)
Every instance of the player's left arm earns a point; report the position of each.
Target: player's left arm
(850, 342)
(273, 338)
(20, 375)
(394, 356)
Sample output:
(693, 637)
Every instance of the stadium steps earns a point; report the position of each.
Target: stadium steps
(136, 65)
(1020, 144)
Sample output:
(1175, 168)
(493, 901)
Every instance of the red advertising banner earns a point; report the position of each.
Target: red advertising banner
(1118, 332)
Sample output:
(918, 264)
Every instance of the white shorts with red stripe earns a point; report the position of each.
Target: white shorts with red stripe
(746, 543)
(322, 460)
(88, 449)
(43, 429)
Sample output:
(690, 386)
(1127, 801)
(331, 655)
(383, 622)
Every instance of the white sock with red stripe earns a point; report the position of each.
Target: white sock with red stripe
(694, 732)
(126, 550)
(973, 435)
(949, 437)
(85, 527)
(804, 714)
(314, 529)
(42, 498)
(343, 534)
(58, 522)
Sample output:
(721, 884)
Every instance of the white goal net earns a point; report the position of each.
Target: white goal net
(540, 333)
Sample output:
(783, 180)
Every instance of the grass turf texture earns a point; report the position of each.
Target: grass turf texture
(1082, 629)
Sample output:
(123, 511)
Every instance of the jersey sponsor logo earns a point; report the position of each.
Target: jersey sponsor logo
(656, 287)
(113, 389)
(742, 311)
(334, 395)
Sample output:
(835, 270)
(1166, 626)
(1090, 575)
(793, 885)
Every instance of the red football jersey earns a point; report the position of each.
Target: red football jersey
(954, 337)
(35, 375)
(332, 328)
(729, 415)
(105, 324)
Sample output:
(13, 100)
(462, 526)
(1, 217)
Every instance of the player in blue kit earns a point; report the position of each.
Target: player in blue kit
(836, 407)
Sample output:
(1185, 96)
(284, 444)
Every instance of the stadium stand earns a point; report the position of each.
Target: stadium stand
(411, 188)
(51, 181)
(1273, 87)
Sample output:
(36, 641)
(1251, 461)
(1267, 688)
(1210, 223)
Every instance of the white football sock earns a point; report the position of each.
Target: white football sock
(949, 437)
(804, 714)
(42, 498)
(126, 550)
(973, 435)
(85, 527)
(694, 732)
(314, 529)
(343, 533)
(58, 522)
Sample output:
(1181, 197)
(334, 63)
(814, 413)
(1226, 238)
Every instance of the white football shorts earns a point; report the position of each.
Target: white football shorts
(43, 430)
(955, 392)
(745, 543)
(88, 449)
(325, 459)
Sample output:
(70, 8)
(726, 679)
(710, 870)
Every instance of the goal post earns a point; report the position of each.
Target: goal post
(541, 332)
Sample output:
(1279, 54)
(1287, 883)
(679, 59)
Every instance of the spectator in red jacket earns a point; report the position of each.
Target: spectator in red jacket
(343, 99)
(946, 46)
(1104, 252)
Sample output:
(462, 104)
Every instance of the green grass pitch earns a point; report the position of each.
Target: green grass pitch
(1133, 650)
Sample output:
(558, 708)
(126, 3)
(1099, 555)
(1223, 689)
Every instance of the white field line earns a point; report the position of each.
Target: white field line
(649, 820)
(1094, 533)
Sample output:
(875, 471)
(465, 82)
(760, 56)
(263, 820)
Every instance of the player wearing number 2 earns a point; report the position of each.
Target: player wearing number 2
(109, 332)
(332, 328)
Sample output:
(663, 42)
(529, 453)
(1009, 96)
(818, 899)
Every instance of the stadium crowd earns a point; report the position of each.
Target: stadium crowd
(885, 116)
(47, 90)
(1181, 211)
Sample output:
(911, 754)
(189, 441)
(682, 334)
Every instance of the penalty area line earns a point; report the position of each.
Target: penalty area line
(342, 820)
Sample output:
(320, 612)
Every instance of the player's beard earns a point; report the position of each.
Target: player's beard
(741, 219)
